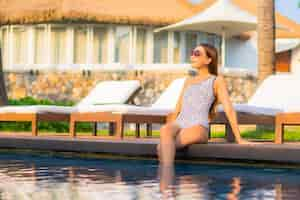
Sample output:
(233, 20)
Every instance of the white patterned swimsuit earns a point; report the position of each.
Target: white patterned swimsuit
(196, 102)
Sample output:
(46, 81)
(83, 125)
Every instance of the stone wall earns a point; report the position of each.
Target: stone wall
(72, 86)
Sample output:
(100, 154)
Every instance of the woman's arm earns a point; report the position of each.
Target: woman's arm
(223, 97)
(172, 116)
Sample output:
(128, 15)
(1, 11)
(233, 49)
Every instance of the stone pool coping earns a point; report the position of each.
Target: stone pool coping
(263, 151)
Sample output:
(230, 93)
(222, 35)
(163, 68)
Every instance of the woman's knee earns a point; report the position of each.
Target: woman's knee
(158, 150)
(168, 130)
(191, 136)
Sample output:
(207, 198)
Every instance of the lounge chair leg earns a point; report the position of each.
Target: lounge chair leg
(137, 130)
(229, 134)
(72, 128)
(149, 130)
(111, 128)
(279, 130)
(119, 129)
(34, 126)
(95, 128)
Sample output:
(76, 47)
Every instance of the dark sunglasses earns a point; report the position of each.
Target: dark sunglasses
(196, 53)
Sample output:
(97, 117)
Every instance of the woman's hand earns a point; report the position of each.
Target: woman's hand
(242, 141)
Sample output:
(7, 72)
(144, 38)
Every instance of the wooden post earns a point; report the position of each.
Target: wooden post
(149, 130)
(72, 127)
(137, 130)
(34, 125)
(119, 130)
(279, 130)
(95, 128)
(111, 127)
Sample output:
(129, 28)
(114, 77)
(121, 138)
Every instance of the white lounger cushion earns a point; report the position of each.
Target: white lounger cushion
(38, 109)
(278, 93)
(122, 108)
(164, 105)
(168, 99)
(110, 92)
(141, 110)
(246, 108)
(99, 108)
(106, 92)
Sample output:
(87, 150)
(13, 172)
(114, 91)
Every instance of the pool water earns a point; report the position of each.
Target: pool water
(51, 177)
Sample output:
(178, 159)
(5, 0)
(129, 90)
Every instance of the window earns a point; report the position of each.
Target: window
(141, 46)
(190, 44)
(20, 47)
(216, 41)
(176, 48)
(58, 45)
(100, 45)
(80, 45)
(161, 47)
(122, 41)
(40, 53)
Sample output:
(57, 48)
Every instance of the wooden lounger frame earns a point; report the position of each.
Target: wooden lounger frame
(34, 118)
(118, 119)
(279, 121)
(283, 119)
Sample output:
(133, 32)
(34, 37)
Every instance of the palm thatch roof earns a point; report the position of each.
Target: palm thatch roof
(145, 12)
(150, 12)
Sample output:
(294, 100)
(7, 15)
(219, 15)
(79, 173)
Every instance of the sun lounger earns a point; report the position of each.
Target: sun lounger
(120, 114)
(275, 102)
(106, 92)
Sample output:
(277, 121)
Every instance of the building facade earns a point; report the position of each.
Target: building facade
(61, 49)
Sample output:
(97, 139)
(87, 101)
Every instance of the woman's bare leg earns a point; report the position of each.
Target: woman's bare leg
(167, 146)
(191, 135)
(167, 179)
(172, 138)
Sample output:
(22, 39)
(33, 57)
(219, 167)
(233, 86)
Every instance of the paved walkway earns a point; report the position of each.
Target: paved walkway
(263, 151)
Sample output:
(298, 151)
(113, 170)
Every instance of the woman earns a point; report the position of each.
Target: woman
(196, 106)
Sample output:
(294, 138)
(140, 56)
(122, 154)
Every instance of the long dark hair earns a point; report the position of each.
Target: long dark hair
(212, 53)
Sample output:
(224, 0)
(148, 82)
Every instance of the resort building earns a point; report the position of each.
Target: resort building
(95, 40)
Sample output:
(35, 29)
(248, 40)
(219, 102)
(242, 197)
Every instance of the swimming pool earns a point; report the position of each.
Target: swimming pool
(51, 177)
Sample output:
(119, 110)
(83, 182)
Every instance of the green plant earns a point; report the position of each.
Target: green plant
(42, 126)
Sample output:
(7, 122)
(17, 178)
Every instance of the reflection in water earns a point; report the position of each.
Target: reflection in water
(36, 177)
(235, 189)
(167, 181)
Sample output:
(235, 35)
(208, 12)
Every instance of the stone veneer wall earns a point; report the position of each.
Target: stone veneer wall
(72, 86)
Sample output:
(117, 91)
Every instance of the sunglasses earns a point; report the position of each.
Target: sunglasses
(196, 53)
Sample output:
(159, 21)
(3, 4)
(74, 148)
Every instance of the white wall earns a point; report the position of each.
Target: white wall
(295, 61)
(242, 54)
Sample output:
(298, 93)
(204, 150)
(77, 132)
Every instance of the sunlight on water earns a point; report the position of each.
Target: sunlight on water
(43, 178)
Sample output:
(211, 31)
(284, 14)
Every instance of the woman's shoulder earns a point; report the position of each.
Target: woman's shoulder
(219, 78)
(219, 82)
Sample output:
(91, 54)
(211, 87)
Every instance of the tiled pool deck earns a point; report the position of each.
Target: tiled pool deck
(262, 151)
